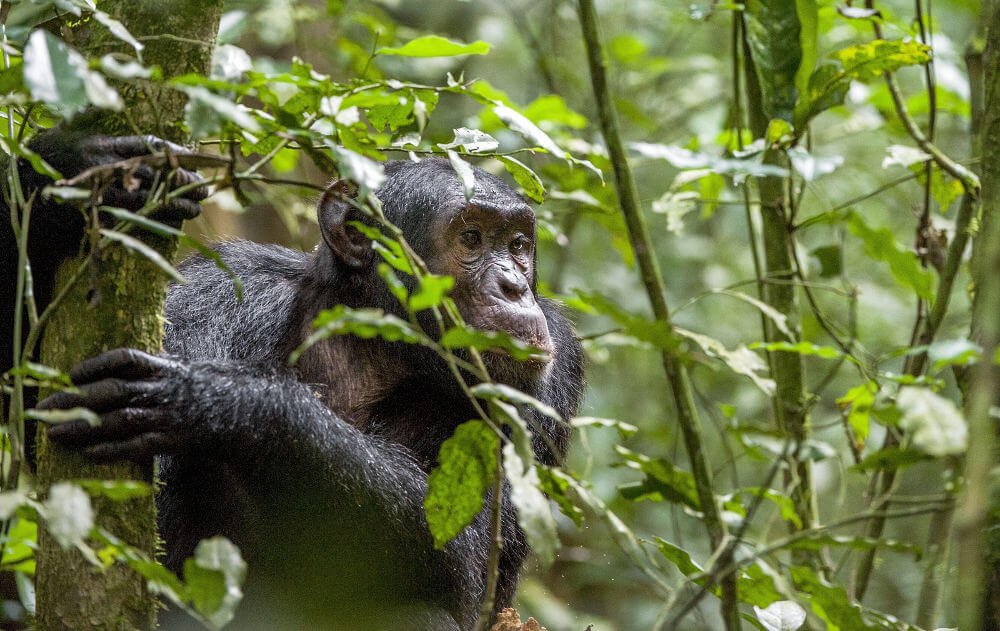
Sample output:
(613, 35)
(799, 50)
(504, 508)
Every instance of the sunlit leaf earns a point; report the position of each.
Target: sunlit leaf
(435, 46)
(472, 140)
(117, 490)
(508, 393)
(214, 577)
(431, 292)
(68, 514)
(465, 174)
(533, 512)
(784, 615)
(686, 159)
(468, 337)
(859, 400)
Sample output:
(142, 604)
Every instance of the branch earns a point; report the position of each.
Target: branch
(652, 279)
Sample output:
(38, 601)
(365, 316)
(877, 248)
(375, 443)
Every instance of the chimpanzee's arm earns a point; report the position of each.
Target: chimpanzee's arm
(288, 448)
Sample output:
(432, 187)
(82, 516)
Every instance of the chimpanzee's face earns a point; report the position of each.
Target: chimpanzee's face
(488, 246)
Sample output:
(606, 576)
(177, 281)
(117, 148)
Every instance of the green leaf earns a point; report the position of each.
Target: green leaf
(465, 174)
(801, 348)
(533, 512)
(214, 577)
(520, 124)
(960, 352)
(625, 430)
(205, 111)
(860, 400)
(891, 458)
(829, 260)
(116, 490)
(944, 189)
(742, 360)
(831, 604)
(155, 257)
(389, 249)
(467, 337)
(503, 392)
(829, 83)
(436, 46)
(431, 293)
(869, 61)
(54, 73)
(118, 30)
(63, 416)
(820, 541)
(553, 108)
(784, 503)
(20, 545)
(664, 482)
(163, 229)
(881, 245)
(472, 141)
(366, 323)
(686, 159)
(774, 31)
(556, 487)
(363, 171)
(528, 179)
(656, 332)
(41, 373)
(680, 558)
(467, 464)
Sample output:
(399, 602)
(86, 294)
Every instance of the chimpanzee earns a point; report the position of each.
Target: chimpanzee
(318, 471)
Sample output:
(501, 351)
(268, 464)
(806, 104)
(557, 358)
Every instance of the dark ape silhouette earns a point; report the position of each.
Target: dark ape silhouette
(318, 471)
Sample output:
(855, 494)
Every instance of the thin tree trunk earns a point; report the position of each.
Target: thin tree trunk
(970, 516)
(121, 306)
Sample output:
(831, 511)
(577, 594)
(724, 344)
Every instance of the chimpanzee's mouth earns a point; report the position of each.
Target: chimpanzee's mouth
(524, 324)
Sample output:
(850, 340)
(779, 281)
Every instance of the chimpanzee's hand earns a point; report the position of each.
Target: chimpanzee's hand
(71, 152)
(142, 401)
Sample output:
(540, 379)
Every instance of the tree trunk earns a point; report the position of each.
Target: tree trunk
(974, 541)
(128, 292)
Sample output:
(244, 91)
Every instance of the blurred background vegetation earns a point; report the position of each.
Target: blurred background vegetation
(671, 72)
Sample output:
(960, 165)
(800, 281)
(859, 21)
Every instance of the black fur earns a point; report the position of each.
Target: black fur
(317, 472)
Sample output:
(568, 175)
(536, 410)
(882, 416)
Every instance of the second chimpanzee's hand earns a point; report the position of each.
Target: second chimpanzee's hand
(141, 400)
(72, 151)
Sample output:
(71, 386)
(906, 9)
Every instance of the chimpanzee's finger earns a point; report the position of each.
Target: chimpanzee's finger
(126, 363)
(116, 425)
(176, 209)
(142, 447)
(103, 396)
(132, 146)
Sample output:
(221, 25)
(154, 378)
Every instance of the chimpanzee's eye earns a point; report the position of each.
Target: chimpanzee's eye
(518, 245)
(471, 238)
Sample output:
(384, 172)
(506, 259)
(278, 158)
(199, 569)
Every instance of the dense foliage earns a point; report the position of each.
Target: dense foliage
(795, 201)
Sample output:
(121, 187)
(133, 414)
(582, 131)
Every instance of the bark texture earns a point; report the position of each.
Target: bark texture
(121, 304)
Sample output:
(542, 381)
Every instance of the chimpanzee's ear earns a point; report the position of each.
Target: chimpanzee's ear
(334, 213)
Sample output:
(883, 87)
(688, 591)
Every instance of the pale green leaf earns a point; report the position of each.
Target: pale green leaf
(435, 46)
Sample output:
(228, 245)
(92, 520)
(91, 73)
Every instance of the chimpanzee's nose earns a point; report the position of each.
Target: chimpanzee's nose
(513, 284)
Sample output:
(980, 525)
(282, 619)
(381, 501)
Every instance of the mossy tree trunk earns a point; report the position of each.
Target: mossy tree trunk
(121, 307)
(975, 540)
